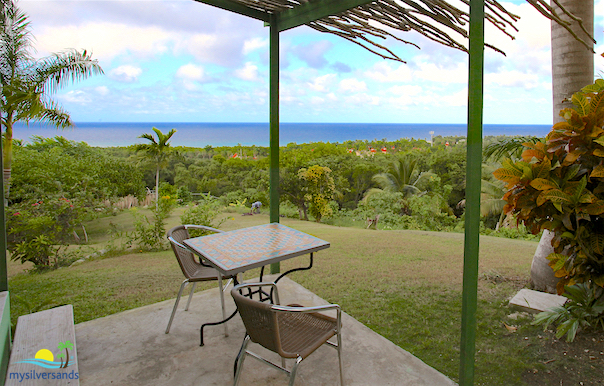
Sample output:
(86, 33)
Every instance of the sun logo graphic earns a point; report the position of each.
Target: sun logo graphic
(45, 358)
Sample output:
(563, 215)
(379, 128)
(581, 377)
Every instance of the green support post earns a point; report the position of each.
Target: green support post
(3, 266)
(274, 126)
(473, 177)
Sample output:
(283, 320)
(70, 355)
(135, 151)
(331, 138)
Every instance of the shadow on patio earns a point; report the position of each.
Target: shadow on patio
(131, 348)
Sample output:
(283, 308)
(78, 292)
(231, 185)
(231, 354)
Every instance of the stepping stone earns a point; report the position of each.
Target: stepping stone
(534, 301)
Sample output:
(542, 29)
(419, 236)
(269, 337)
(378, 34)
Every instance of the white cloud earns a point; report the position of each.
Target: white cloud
(513, 78)
(190, 72)
(435, 73)
(362, 99)
(75, 96)
(248, 72)
(352, 85)
(126, 73)
(251, 45)
(315, 100)
(405, 90)
(105, 40)
(383, 72)
(322, 83)
(458, 99)
(102, 90)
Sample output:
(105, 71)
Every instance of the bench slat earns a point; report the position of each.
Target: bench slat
(43, 330)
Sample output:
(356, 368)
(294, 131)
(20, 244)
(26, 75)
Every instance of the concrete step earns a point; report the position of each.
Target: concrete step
(534, 301)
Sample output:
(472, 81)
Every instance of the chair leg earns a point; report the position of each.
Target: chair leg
(182, 287)
(190, 296)
(340, 359)
(243, 352)
(221, 291)
(292, 374)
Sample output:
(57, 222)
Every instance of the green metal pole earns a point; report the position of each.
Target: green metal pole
(274, 126)
(473, 177)
(3, 266)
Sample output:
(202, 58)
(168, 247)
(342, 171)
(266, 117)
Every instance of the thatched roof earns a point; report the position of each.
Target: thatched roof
(377, 20)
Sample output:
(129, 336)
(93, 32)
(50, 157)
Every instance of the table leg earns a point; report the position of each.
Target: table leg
(221, 289)
(235, 282)
(215, 324)
(296, 269)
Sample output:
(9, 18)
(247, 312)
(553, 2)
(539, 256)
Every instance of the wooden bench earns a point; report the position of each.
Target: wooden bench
(45, 338)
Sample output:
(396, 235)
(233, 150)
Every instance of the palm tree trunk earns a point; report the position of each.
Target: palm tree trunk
(7, 152)
(157, 188)
(572, 69)
(572, 62)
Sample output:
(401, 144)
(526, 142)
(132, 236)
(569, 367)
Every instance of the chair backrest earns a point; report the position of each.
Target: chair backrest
(260, 321)
(185, 258)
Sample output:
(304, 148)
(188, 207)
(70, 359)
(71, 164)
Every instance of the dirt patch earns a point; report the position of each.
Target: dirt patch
(578, 363)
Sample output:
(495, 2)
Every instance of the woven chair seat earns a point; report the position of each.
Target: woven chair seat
(303, 333)
(292, 331)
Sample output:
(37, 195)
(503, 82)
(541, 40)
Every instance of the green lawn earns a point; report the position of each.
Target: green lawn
(405, 285)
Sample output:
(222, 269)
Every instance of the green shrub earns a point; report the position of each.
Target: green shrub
(150, 235)
(584, 309)
(38, 231)
(204, 213)
(184, 195)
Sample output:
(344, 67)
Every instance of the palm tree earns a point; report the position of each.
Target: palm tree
(572, 59)
(491, 201)
(509, 147)
(64, 346)
(398, 178)
(157, 152)
(27, 83)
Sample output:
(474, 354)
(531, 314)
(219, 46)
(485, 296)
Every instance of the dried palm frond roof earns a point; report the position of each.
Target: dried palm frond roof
(437, 20)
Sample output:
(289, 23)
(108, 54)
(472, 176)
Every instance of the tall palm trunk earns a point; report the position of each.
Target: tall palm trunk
(7, 152)
(572, 69)
(572, 62)
(157, 187)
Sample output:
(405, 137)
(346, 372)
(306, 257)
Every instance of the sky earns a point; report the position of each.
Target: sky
(183, 61)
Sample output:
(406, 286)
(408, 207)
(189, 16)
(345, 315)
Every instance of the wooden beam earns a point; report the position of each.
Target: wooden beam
(238, 8)
(315, 10)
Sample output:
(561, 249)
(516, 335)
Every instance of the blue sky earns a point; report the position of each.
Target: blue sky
(183, 61)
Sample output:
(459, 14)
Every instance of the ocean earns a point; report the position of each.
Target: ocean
(108, 134)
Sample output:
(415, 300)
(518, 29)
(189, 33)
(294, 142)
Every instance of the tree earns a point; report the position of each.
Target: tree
(27, 83)
(399, 178)
(158, 152)
(319, 189)
(572, 52)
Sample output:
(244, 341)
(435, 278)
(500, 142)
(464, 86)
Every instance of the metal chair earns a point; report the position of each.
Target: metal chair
(194, 271)
(291, 331)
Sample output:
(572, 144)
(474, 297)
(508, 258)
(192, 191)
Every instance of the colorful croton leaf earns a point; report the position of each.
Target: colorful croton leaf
(559, 185)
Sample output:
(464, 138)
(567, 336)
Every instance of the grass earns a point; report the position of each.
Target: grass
(405, 285)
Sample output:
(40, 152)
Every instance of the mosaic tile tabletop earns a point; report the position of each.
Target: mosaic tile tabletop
(239, 250)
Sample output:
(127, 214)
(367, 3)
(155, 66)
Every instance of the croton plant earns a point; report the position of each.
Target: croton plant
(559, 185)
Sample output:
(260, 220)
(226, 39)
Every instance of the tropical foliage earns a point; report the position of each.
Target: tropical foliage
(559, 185)
(583, 309)
(28, 83)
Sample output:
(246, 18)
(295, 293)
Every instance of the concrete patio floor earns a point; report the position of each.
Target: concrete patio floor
(131, 348)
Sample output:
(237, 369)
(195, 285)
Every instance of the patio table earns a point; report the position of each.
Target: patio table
(240, 250)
